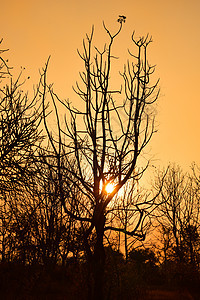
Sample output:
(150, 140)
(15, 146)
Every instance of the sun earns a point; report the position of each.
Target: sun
(109, 188)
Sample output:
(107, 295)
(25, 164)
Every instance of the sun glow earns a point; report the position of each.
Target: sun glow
(109, 188)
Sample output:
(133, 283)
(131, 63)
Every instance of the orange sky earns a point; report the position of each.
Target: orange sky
(34, 29)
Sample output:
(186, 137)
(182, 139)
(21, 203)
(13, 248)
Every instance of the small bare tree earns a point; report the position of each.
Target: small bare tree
(131, 210)
(103, 142)
(178, 214)
(20, 117)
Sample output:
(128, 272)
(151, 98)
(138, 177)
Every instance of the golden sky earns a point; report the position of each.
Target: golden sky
(35, 29)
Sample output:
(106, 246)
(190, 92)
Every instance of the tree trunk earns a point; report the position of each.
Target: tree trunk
(99, 258)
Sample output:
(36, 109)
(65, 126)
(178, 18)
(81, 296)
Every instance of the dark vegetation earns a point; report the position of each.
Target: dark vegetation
(62, 234)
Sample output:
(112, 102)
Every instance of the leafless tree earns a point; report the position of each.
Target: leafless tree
(178, 214)
(54, 230)
(130, 210)
(20, 135)
(103, 142)
(19, 129)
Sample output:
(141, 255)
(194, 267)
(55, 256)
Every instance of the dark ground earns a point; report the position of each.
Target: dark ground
(28, 283)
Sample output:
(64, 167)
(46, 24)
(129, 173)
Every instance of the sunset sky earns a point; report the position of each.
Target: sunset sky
(35, 29)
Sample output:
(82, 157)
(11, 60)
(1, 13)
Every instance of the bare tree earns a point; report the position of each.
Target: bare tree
(54, 230)
(103, 143)
(178, 214)
(19, 130)
(20, 135)
(130, 210)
